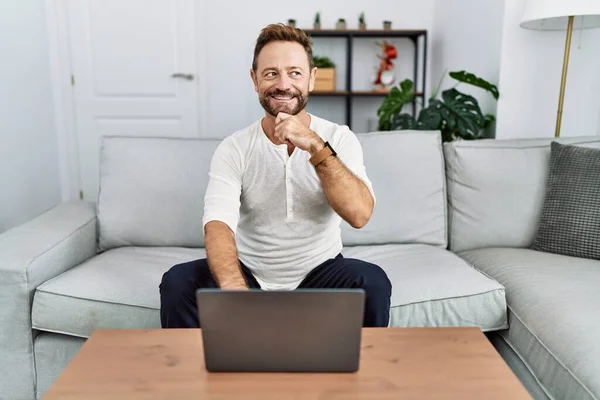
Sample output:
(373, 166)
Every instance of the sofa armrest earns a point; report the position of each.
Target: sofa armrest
(31, 254)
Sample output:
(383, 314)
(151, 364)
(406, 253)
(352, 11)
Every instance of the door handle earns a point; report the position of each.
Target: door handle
(189, 77)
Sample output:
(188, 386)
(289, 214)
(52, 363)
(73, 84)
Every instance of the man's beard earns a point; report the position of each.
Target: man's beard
(291, 109)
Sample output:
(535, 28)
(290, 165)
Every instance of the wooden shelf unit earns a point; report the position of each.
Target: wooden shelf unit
(419, 39)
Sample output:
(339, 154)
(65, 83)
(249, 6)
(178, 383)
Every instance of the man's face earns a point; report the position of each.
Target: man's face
(283, 78)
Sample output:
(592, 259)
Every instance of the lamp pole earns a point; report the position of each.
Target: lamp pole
(563, 81)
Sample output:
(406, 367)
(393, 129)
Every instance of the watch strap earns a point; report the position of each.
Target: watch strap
(322, 154)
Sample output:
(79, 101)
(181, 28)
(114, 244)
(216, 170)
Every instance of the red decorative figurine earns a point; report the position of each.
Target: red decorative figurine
(385, 73)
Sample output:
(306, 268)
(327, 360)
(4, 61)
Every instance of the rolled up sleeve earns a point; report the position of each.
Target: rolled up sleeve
(222, 199)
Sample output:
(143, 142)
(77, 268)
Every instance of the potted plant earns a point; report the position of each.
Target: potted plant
(317, 23)
(456, 115)
(362, 25)
(341, 24)
(292, 23)
(325, 80)
(387, 25)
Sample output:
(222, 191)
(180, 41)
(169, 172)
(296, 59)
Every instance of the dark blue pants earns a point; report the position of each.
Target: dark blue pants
(178, 288)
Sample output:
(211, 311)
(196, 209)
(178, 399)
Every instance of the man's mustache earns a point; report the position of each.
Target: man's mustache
(277, 92)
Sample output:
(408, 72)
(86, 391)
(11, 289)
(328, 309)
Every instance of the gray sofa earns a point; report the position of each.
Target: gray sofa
(451, 228)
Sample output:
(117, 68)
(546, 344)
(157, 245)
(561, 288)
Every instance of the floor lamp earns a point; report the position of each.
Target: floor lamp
(560, 15)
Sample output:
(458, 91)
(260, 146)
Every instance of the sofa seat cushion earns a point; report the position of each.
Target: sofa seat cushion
(553, 303)
(116, 289)
(119, 289)
(432, 287)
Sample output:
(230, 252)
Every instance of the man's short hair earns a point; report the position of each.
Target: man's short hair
(285, 33)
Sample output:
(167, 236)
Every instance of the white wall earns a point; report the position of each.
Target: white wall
(29, 177)
(468, 37)
(230, 33)
(530, 72)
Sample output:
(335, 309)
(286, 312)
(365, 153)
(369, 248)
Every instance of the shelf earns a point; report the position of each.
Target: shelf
(365, 33)
(341, 93)
(349, 37)
(358, 93)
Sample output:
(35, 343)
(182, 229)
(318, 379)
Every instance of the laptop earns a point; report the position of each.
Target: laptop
(305, 330)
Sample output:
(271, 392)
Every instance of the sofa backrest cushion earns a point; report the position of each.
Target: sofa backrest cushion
(407, 172)
(152, 191)
(496, 189)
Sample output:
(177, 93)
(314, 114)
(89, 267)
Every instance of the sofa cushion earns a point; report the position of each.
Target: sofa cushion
(116, 289)
(570, 221)
(152, 191)
(407, 172)
(432, 287)
(119, 289)
(554, 319)
(496, 189)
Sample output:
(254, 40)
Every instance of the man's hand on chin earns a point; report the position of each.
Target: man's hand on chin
(289, 129)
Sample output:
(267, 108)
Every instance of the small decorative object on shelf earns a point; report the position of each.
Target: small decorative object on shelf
(362, 25)
(387, 25)
(340, 24)
(317, 23)
(325, 80)
(385, 73)
(292, 23)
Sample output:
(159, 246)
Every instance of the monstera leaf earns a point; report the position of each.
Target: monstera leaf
(472, 79)
(461, 114)
(430, 118)
(403, 121)
(458, 115)
(393, 103)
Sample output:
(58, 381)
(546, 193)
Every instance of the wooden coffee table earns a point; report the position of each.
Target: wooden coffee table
(396, 363)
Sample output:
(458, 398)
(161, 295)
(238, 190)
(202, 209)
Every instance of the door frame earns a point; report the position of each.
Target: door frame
(62, 95)
(64, 101)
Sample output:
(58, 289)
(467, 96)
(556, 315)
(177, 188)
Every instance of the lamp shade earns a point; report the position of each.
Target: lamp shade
(553, 14)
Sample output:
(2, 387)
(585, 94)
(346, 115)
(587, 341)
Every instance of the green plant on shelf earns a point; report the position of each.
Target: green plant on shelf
(361, 18)
(323, 62)
(456, 115)
(317, 18)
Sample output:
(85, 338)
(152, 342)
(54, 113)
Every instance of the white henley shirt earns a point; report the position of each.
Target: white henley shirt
(275, 204)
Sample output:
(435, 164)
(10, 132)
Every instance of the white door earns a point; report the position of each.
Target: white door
(134, 65)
